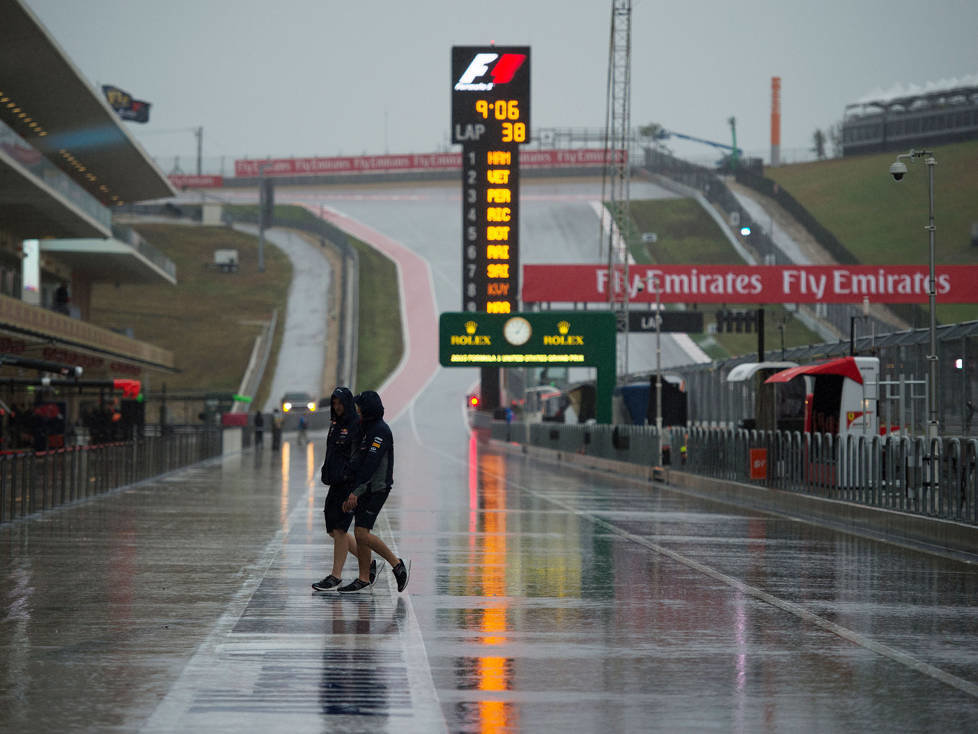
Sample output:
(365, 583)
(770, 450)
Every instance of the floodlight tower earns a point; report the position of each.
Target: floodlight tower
(617, 171)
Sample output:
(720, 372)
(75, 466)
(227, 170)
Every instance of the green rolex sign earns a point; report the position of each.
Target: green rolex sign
(566, 338)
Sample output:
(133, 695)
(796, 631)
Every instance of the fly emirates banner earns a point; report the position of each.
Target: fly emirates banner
(749, 283)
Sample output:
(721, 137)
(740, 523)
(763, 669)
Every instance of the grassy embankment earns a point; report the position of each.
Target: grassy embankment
(882, 222)
(209, 320)
(688, 235)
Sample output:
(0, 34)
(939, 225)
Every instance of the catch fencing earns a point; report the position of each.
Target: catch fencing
(36, 481)
(933, 479)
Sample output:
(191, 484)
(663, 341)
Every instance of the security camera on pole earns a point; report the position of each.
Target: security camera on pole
(898, 169)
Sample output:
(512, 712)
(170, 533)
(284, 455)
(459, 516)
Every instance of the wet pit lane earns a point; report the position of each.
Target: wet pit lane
(542, 598)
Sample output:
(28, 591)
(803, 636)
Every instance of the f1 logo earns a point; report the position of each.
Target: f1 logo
(502, 71)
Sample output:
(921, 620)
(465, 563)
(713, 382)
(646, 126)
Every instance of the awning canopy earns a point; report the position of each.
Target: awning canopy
(745, 371)
(111, 261)
(845, 366)
(29, 208)
(57, 111)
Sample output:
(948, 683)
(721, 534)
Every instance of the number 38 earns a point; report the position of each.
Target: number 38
(514, 132)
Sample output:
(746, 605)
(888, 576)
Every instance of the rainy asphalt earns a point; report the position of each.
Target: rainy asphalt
(542, 597)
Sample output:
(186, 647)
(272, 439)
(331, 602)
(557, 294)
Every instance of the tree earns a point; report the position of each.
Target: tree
(818, 144)
(653, 130)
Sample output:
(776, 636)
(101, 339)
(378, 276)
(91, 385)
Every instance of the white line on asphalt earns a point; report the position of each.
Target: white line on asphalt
(174, 711)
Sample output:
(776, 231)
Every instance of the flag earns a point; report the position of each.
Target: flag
(134, 110)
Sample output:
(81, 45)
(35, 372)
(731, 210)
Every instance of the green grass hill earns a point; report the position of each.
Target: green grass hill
(882, 221)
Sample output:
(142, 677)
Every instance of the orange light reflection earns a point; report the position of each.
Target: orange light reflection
(284, 493)
(492, 669)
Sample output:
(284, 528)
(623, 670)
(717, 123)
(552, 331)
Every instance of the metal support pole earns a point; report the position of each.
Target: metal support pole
(261, 218)
(898, 169)
(658, 357)
(199, 132)
(933, 429)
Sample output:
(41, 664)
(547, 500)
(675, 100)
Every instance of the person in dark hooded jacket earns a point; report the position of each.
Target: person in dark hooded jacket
(373, 477)
(341, 441)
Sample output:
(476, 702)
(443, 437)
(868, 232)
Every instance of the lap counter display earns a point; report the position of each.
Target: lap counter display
(491, 119)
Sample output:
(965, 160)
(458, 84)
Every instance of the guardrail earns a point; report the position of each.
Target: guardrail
(36, 481)
(937, 479)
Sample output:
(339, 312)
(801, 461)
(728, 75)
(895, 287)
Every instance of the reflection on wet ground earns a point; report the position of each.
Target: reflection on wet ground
(569, 600)
(543, 598)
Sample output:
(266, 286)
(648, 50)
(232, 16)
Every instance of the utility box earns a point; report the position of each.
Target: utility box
(758, 463)
(212, 213)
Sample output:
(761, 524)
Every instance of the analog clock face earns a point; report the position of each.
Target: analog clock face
(517, 330)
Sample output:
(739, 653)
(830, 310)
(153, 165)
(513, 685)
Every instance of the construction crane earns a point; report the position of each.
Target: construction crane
(735, 152)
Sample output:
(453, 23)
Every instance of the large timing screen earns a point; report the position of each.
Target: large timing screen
(490, 118)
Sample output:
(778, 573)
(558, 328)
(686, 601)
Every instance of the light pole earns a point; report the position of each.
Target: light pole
(658, 357)
(898, 170)
(262, 206)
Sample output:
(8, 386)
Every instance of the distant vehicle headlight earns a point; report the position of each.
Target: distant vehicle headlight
(311, 406)
(286, 407)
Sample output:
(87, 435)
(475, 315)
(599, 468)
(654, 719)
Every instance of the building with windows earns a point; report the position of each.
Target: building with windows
(946, 112)
(66, 163)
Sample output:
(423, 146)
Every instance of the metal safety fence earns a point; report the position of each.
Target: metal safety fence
(934, 479)
(36, 481)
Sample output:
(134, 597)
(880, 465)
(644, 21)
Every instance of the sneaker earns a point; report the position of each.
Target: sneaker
(327, 584)
(354, 586)
(373, 571)
(402, 572)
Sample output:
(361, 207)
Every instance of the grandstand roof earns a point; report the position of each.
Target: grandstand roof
(904, 96)
(45, 99)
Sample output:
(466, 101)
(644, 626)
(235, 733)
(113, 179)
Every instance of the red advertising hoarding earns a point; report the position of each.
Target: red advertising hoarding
(751, 283)
(411, 162)
(182, 181)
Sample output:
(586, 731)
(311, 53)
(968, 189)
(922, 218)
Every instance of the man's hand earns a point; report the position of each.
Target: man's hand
(350, 504)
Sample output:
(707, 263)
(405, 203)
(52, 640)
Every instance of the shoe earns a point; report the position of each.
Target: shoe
(354, 586)
(402, 572)
(327, 584)
(373, 571)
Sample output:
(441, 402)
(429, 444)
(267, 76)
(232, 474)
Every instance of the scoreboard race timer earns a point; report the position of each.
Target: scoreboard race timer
(491, 119)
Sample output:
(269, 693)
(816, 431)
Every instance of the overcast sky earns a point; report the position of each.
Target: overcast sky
(342, 77)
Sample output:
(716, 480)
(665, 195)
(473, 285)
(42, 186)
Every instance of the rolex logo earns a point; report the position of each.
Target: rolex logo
(470, 338)
(562, 338)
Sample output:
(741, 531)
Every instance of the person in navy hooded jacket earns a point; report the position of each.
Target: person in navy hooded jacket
(341, 441)
(373, 470)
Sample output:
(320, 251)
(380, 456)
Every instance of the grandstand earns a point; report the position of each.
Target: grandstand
(903, 118)
(66, 163)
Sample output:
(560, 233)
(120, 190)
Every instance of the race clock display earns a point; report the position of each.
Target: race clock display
(491, 119)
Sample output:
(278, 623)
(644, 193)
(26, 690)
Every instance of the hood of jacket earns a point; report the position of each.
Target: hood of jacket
(371, 408)
(345, 396)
